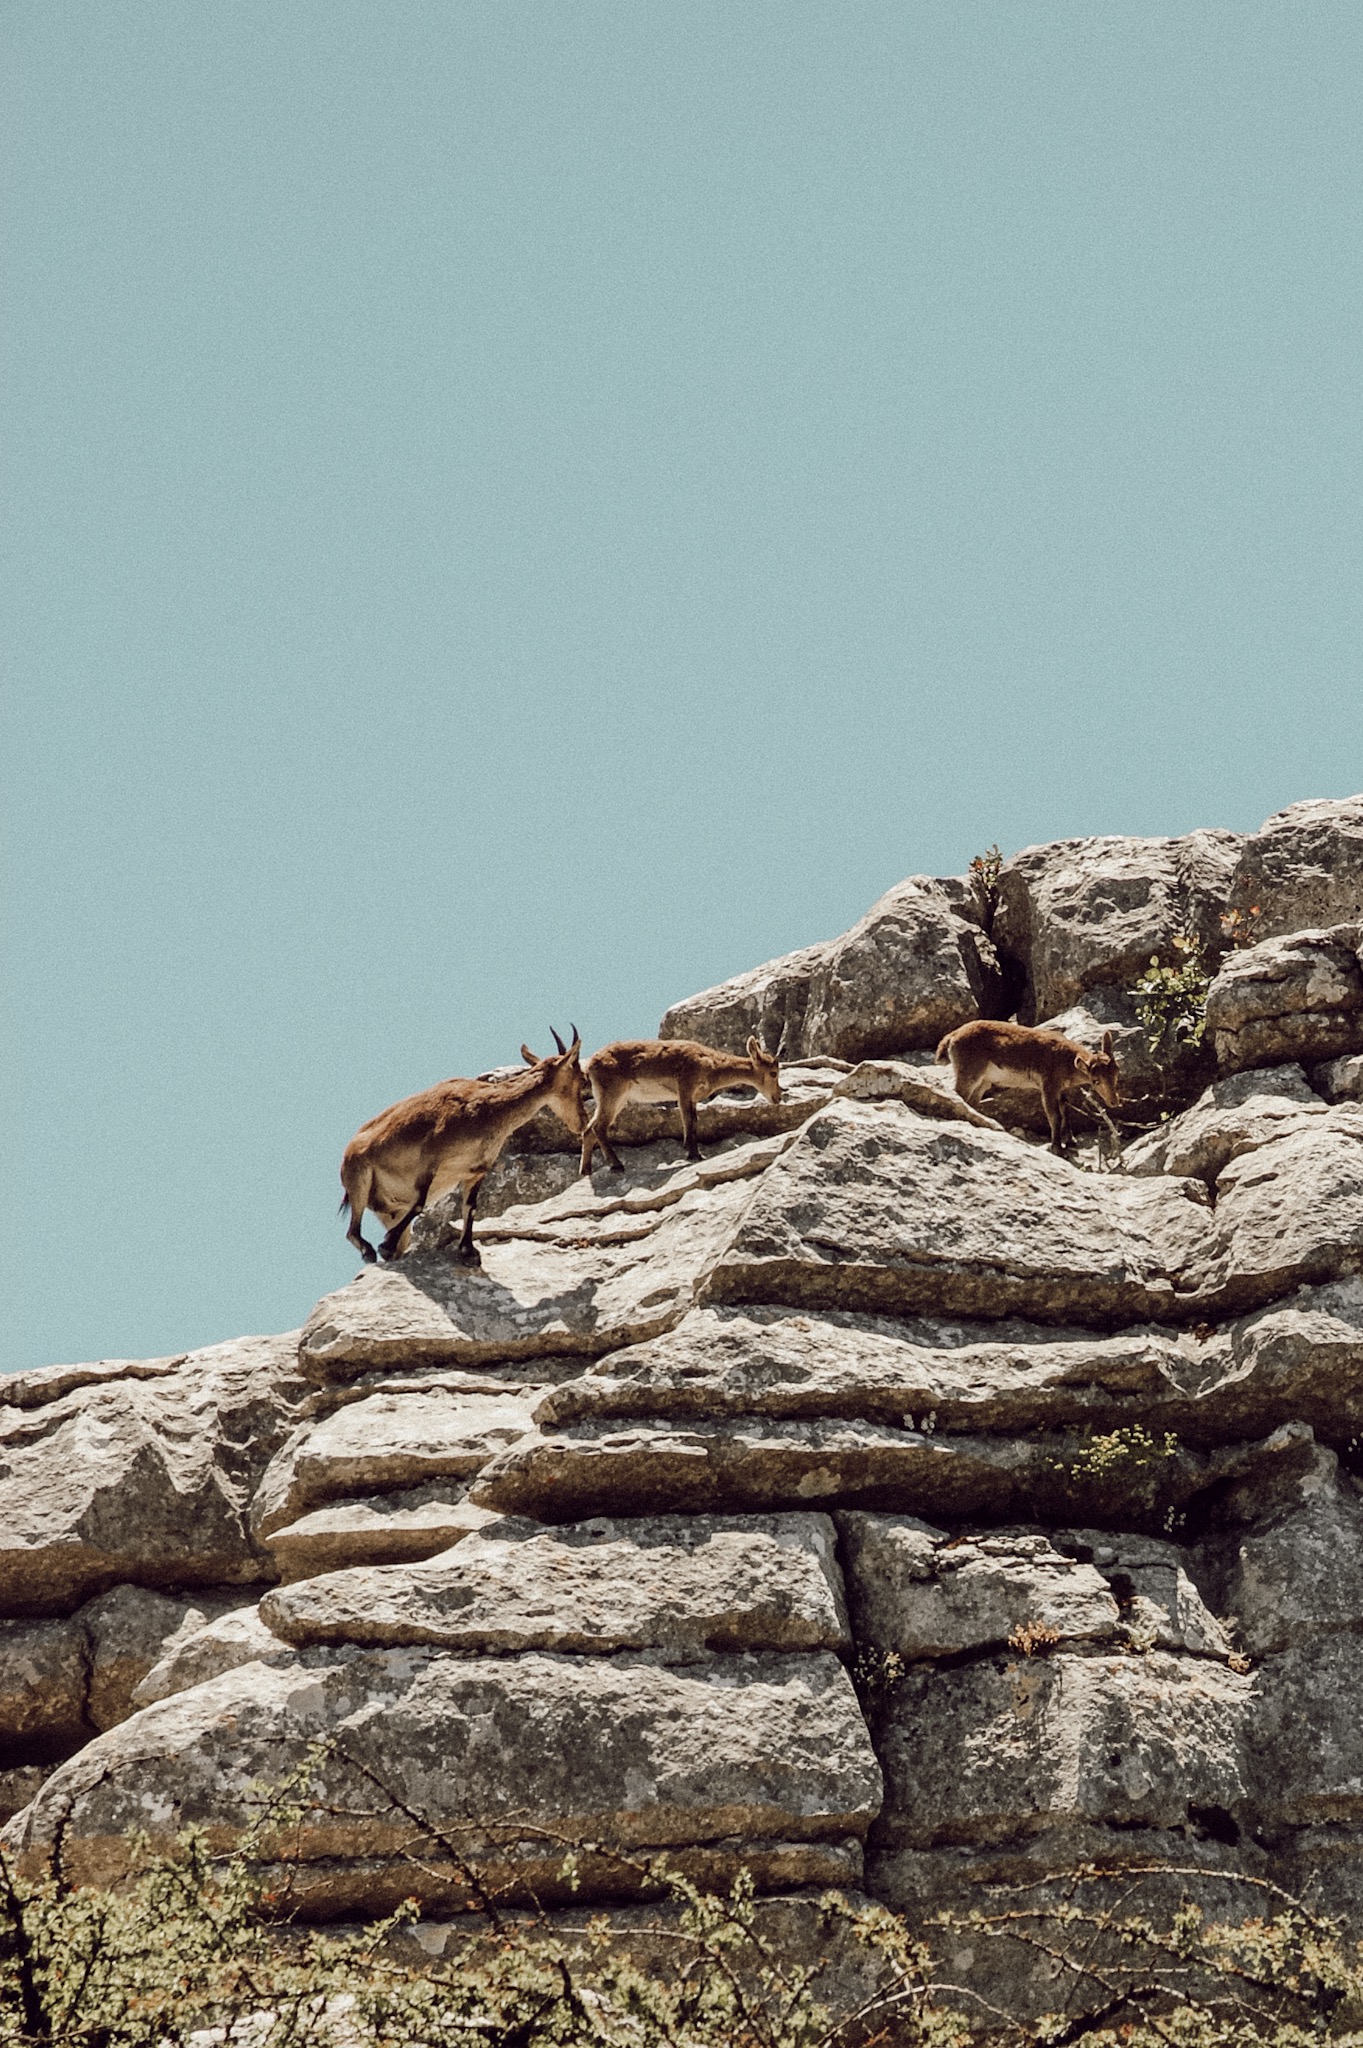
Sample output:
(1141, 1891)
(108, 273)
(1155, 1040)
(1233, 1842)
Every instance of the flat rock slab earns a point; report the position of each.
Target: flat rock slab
(917, 1592)
(1008, 1746)
(224, 1644)
(768, 1754)
(388, 1442)
(748, 1466)
(882, 1210)
(387, 1528)
(125, 1476)
(681, 1585)
(582, 1274)
(1301, 1358)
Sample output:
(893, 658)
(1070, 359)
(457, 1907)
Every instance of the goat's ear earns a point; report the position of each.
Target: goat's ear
(757, 1051)
(531, 1059)
(1107, 1045)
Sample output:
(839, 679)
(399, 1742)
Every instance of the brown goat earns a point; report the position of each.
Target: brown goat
(679, 1070)
(450, 1136)
(987, 1055)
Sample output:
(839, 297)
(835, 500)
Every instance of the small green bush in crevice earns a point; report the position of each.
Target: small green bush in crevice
(1171, 996)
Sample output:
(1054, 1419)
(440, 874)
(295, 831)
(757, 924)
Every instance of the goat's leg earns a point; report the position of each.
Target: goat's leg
(598, 1133)
(1054, 1101)
(686, 1103)
(358, 1187)
(466, 1250)
(388, 1250)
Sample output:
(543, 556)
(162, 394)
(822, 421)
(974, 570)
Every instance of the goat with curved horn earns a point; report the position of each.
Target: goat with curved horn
(450, 1136)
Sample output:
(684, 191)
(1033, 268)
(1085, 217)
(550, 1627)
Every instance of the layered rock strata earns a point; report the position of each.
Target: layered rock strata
(882, 1501)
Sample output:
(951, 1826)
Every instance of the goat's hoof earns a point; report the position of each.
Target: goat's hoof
(468, 1255)
(368, 1254)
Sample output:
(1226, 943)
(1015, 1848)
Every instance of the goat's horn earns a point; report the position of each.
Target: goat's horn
(577, 1038)
(557, 1040)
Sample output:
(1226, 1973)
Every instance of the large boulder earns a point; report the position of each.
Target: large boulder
(679, 1585)
(1235, 1115)
(882, 1210)
(917, 1592)
(1005, 1747)
(917, 965)
(1295, 998)
(1293, 1570)
(1087, 913)
(760, 1761)
(1302, 868)
(118, 1477)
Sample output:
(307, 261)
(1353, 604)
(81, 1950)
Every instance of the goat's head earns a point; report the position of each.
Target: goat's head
(766, 1070)
(563, 1071)
(1101, 1074)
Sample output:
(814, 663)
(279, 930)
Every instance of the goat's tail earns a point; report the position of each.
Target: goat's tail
(944, 1049)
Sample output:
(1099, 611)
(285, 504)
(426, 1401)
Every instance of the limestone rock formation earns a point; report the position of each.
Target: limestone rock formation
(917, 965)
(880, 1500)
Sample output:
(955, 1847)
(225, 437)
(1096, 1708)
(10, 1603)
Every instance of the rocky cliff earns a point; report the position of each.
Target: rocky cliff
(882, 1502)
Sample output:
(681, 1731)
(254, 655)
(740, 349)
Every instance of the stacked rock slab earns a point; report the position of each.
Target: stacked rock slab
(880, 1502)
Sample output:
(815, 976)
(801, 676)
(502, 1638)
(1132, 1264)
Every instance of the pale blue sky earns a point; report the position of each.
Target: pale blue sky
(515, 512)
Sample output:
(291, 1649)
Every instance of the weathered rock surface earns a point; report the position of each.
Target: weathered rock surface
(1303, 868)
(747, 1465)
(1294, 1571)
(129, 1630)
(919, 1592)
(186, 1445)
(1088, 913)
(1340, 1080)
(582, 1274)
(224, 1644)
(1305, 1741)
(44, 1683)
(766, 1757)
(1007, 1746)
(389, 1442)
(393, 1528)
(62, 1680)
(1161, 1607)
(1293, 998)
(917, 965)
(879, 1209)
(680, 1585)
(1235, 1115)
(556, 1536)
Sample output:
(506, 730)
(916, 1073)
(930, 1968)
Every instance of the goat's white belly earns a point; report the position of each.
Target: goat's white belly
(651, 1091)
(996, 1076)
